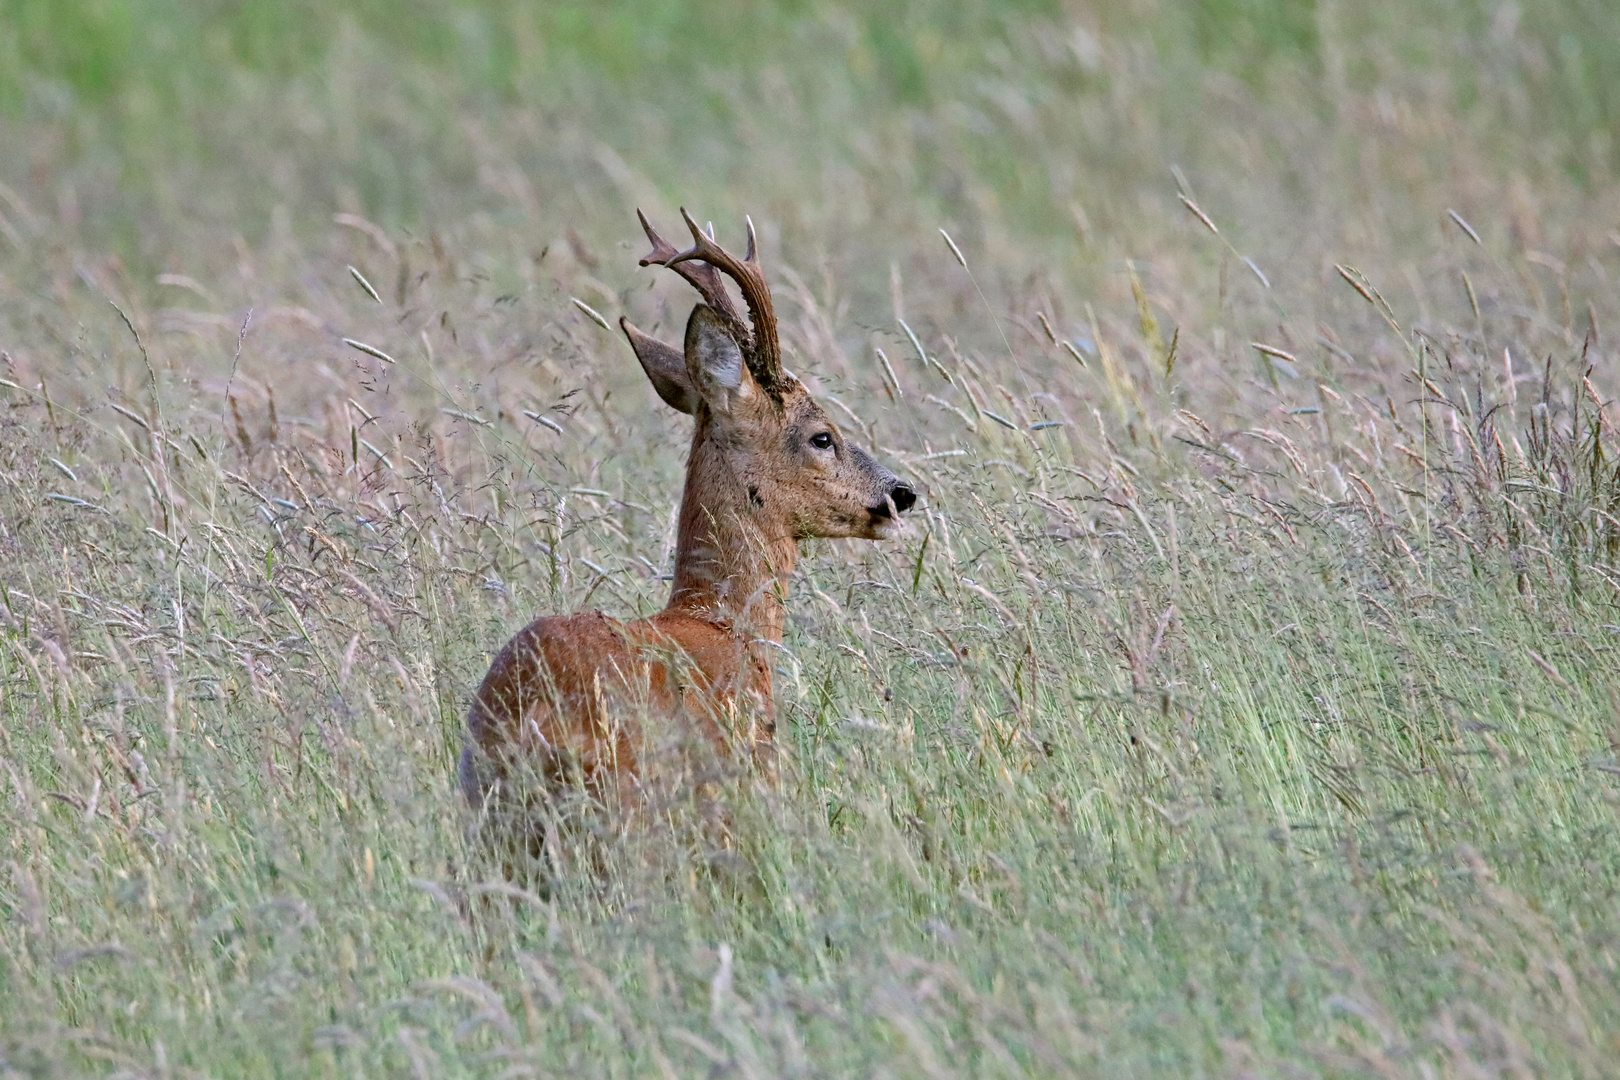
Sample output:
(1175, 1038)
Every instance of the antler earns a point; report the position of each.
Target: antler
(765, 353)
(701, 276)
(701, 266)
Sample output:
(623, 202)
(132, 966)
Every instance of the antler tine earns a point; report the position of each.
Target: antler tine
(701, 276)
(662, 251)
(766, 353)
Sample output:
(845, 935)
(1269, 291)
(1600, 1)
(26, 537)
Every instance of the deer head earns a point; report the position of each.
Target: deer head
(764, 451)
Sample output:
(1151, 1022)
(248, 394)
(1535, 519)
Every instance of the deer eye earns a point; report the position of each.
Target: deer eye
(821, 440)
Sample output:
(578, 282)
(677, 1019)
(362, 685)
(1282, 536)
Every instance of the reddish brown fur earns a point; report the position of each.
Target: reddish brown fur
(574, 696)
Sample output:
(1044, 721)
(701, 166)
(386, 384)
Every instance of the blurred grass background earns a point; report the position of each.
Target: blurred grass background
(1243, 707)
(155, 112)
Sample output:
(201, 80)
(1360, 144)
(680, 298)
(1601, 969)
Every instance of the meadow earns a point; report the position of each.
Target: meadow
(1244, 703)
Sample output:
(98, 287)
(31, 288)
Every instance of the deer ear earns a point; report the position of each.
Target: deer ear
(665, 368)
(714, 362)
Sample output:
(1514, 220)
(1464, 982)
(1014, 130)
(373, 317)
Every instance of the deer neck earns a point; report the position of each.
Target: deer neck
(732, 562)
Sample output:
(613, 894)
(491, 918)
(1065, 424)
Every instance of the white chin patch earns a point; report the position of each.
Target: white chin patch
(891, 529)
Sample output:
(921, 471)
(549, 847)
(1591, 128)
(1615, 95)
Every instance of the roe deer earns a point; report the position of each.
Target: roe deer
(571, 697)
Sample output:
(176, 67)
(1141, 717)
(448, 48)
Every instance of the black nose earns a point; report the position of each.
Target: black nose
(904, 498)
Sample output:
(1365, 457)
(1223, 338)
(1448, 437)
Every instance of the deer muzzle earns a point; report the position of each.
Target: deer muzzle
(886, 523)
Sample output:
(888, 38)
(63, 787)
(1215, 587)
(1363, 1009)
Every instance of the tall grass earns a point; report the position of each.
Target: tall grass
(1242, 705)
